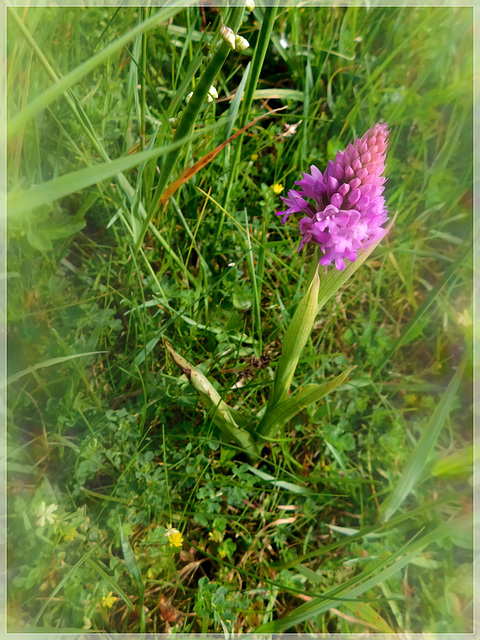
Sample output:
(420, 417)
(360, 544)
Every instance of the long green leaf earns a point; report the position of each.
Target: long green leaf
(298, 332)
(286, 410)
(110, 581)
(424, 447)
(134, 569)
(19, 201)
(352, 589)
(46, 363)
(60, 584)
(55, 91)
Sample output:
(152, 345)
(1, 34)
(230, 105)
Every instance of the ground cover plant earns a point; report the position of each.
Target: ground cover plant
(139, 239)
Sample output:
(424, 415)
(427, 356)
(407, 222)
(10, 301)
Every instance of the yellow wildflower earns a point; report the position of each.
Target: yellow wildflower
(254, 156)
(216, 536)
(175, 538)
(222, 552)
(70, 534)
(108, 601)
(277, 188)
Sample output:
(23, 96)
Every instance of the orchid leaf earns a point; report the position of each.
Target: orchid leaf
(295, 340)
(288, 409)
(210, 398)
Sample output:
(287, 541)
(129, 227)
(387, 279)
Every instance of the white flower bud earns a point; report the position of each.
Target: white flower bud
(249, 5)
(212, 93)
(228, 36)
(173, 122)
(241, 44)
(187, 98)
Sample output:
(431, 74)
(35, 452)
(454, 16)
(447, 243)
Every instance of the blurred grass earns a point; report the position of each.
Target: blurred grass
(117, 437)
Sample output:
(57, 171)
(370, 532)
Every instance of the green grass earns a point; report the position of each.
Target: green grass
(356, 518)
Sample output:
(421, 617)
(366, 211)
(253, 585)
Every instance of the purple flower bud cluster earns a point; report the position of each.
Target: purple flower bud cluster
(343, 208)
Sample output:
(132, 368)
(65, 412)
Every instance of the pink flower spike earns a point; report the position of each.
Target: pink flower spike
(348, 211)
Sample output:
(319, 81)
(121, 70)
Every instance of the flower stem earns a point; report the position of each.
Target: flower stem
(188, 119)
(255, 69)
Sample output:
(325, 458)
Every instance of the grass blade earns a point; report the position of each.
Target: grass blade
(56, 90)
(62, 582)
(19, 201)
(189, 117)
(411, 328)
(47, 363)
(351, 589)
(289, 486)
(134, 570)
(417, 461)
(252, 81)
(208, 157)
(110, 581)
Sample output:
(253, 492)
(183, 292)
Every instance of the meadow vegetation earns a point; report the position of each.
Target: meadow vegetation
(126, 510)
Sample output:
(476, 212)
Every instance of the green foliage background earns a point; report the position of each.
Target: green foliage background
(117, 440)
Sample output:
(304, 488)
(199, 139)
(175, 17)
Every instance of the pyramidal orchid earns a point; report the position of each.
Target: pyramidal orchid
(342, 212)
(343, 209)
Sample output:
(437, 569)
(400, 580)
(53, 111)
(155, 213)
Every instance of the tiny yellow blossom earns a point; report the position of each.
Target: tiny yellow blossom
(216, 536)
(277, 188)
(222, 553)
(70, 534)
(175, 538)
(254, 156)
(46, 514)
(108, 601)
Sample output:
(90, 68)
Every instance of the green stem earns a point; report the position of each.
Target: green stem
(296, 337)
(254, 74)
(144, 83)
(188, 119)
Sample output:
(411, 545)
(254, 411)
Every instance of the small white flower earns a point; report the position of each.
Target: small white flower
(46, 514)
(228, 36)
(173, 122)
(241, 44)
(249, 5)
(212, 92)
(187, 99)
